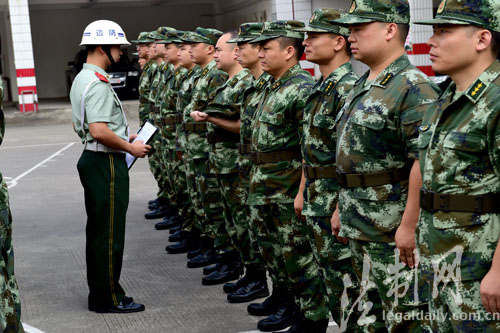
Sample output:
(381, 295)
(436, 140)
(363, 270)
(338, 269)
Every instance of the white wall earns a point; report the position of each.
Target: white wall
(229, 14)
(56, 34)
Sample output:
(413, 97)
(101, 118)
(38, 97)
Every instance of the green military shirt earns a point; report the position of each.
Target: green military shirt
(4, 193)
(210, 78)
(227, 104)
(377, 132)
(145, 82)
(184, 95)
(101, 103)
(320, 138)
(460, 154)
(170, 91)
(278, 126)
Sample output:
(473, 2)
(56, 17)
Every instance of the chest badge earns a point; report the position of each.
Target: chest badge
(424, 128)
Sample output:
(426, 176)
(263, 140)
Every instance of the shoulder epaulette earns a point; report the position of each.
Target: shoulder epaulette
(261, 83)
(387, 79)
(476, 89)
(276, 85)
(329, 88)
(101, 77)
(233, 82)
(205, 71)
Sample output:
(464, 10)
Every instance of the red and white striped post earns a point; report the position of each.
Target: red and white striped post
(23, 55)
(418, 51)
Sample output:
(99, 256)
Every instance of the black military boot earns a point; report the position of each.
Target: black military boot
(285, 315)
(153, 204)
(256, 287)
(169, 222)
(206, 257)
(174, 229)
(162, 210)
(209, 269)
(270, 304)
(177, 237)
(229, 269)
(192, 254)
(304, 325)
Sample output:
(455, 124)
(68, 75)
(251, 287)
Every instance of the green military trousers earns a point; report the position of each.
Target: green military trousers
(10, 304)
(105, 181)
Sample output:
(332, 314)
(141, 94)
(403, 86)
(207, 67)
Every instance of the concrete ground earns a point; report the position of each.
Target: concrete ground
(38, 160)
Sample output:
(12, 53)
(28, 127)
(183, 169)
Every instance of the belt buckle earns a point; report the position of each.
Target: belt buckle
(427, 200)
(444, 202)
(479, 204)
(341, 178)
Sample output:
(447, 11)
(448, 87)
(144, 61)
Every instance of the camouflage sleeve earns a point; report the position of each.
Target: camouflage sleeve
(217, 80)
(493, 137)
(305, 89)
(418, 100)
(2, 119)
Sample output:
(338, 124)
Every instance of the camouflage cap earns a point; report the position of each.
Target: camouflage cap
(482, 13)
(321, 21)
(155, 35)
(176, 36)
(276, 29)
(165, 31)
(203, 35)
(247, 32)
(365, 11)
(143, 38)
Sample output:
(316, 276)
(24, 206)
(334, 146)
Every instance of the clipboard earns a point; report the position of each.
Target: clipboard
(145, 133)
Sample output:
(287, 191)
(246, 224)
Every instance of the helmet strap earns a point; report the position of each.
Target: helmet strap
(107, 50)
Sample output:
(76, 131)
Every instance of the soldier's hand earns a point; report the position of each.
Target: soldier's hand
(298, 203)
(490, 290)
(132, 137)
(139, 149)
(405, 242)
(335, 222)
(199, 116)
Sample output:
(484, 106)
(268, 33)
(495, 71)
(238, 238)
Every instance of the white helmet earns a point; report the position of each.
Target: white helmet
(104, 32)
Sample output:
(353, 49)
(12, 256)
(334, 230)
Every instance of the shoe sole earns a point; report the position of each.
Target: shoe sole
(116, 311)
(260, 294)
(273, 328)
(216, 282)
(190, 265)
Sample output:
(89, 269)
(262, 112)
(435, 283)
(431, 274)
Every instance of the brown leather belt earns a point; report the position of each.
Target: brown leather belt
(433, 202)
(244, 148)
(394, 176)
(213, 138)
(328, 172)
(179, 119)
(196, 128)
(169, 120)
(276, 156)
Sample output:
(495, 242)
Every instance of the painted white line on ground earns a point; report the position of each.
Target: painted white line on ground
(38, 145)
(30, 329)
(14, 181)
(330, 324)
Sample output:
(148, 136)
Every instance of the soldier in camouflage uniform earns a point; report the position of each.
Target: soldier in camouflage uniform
(210, 78)
(326, 44)
(10, 304)
(222, 115)
(184, 182)
(276, 173)
(459, 222)
(142, 46)
(377, 164)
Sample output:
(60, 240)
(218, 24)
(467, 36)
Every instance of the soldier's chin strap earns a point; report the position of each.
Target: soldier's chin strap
(107, 50)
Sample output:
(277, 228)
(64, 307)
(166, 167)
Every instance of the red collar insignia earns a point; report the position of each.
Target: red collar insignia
(101, 77)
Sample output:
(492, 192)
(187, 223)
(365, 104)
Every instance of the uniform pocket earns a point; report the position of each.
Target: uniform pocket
(465, 142)
(369, 120)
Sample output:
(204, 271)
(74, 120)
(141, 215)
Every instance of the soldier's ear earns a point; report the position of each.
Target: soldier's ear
(391, 31)
(290, 52)
(484, 38)
(340, 43)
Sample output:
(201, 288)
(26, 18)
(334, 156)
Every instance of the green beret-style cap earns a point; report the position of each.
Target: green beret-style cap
(481, 13)
(276, 29)
(143, 38)
(247, 32)
(321, 21)
(165, 31)
(203, 35)
(155, 35)
(365, 11)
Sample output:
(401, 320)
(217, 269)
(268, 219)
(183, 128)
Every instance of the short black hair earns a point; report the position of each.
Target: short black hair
(403, 29)
(296, 43)
(91, 48)
(347, 44)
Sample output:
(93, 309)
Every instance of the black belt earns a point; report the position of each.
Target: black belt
(244, 148)
(214, 138)
(196, 128)
(394, 176)
(276, 156)
(179, 118)
(328, 172)
(168, 120)
(433, 202)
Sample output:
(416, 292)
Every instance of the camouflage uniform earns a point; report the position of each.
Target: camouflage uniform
(224, 160)
(376, 147)
(459, 142)
(10, 304)
(197, 147)
(144, 84)
(321, 188)
(274, 180)
(188, 184)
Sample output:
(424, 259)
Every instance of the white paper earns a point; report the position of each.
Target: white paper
(144, 134)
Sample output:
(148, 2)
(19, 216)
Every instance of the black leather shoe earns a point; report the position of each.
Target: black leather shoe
(284, 317)
(177, 236)
(127, 305)
(225, 272)
(175, 229)
(249, 292)
(231, 287)
(153, 204)
(205, 258)
(180, 247)
(159, 212)
(194, 253)
(270, 304)
(209, 269)
(168, 223)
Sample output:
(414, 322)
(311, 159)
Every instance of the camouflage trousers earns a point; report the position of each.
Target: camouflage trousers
(155, 164)
(192, 189)
(397, 298)
(237, 217)
(285, 247)
(334, 260)
(144, 110)
(457, 307)
(10, 303)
